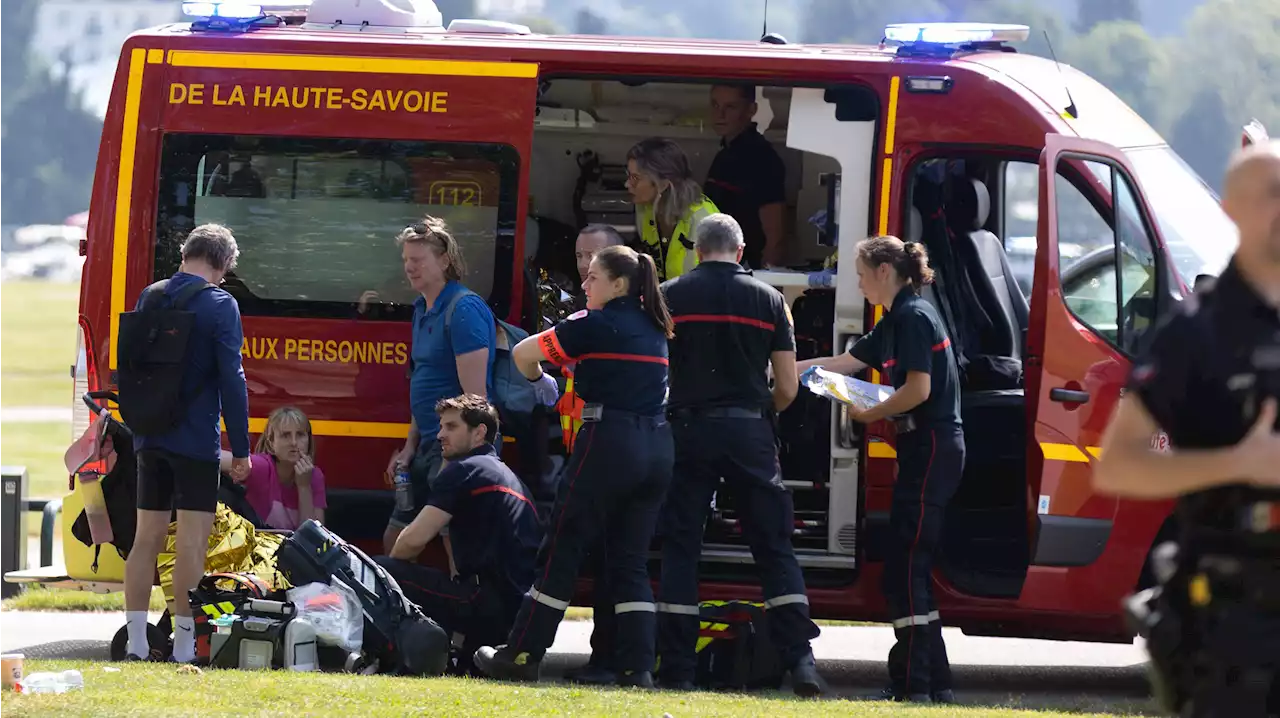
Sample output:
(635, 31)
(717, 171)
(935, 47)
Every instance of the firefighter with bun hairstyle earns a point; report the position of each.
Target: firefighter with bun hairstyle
(911, 347)
(619, 470)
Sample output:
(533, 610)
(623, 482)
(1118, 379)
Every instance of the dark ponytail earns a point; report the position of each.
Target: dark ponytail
(909, 259)
(642, 281)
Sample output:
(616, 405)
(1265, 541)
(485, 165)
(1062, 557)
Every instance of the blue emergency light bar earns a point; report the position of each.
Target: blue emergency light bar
(225, 10)
(238, 16)
(954, 33)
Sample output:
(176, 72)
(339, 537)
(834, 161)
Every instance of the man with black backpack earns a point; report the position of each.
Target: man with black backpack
(179, 369)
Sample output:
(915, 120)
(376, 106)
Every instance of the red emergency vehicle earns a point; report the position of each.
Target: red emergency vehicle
(1062, 226)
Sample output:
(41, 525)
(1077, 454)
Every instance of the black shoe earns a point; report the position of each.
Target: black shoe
(682, 686)
(947, 697)
(805, 680)
(155, 655)
(636, 679)
(507, 665)
(888, 694)
(592, 675)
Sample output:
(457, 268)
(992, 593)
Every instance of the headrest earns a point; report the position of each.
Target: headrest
(969, 205)
(983, 210)
(915, 226)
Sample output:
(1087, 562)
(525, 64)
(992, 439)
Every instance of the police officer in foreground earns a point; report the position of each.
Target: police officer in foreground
(731, 328)
(911, 347)
(619, 470)
(1210, 379)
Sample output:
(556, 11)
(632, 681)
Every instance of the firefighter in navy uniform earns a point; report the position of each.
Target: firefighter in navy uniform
(911, 347)
(1210, 378)
(731, 328)
(618, 472)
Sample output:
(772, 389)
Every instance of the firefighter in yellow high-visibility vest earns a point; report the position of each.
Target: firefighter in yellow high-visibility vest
(669, 204)
(592, 239)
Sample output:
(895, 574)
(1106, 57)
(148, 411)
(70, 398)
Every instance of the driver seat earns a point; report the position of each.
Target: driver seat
(988, 266)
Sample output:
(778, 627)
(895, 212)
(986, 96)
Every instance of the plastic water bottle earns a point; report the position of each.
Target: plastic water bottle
(404, 489)
(52, 682)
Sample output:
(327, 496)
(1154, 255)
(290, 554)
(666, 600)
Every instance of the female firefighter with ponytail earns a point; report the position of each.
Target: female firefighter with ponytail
(618, 472)
(911, 347)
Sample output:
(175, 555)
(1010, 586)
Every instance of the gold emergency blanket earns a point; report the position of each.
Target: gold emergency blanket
(234, 546)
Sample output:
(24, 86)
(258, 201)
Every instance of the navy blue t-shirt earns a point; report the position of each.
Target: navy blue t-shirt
(212, 381)
(494, 529)
(619, 353)
(910, 338)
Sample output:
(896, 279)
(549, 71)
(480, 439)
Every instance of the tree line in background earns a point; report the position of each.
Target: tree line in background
(1196, 86)
(48, 141)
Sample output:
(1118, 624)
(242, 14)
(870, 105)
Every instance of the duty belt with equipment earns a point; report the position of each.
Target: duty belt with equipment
(716, 412)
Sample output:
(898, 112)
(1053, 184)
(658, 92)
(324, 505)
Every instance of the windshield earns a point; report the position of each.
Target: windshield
(1197, 232)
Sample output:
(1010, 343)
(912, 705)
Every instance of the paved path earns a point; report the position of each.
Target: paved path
(988, 671)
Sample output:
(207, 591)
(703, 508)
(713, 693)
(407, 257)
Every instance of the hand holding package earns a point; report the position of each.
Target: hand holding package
(844, 389)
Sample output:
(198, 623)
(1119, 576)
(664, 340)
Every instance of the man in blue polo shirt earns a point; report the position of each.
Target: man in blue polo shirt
(454, 337)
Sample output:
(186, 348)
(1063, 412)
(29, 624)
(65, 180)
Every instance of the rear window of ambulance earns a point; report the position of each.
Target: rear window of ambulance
(316, 219)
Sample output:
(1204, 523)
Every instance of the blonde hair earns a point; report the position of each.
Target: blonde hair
(662, 159)
(433, 232)
(282, 415)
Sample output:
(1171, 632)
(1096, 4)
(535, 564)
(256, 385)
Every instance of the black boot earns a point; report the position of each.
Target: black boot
(888, 694)
(507, 665)
(635, 679)
(946, 697)
(805, 680)
(592, 674)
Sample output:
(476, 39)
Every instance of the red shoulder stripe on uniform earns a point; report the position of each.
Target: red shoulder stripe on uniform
(496, 488)
(725, 319)
(942, 344)
(624, 357)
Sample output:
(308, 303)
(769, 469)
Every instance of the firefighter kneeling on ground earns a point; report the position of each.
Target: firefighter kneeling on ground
(493, 526)
(1210, 379)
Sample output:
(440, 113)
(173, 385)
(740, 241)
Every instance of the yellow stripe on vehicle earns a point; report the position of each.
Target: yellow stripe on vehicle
(892, 126)
(881, 450)
(124, 194)
(886, 180)
(1052, 452)
(335, 63)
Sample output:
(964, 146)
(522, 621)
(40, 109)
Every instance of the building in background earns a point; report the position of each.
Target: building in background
(84, 37)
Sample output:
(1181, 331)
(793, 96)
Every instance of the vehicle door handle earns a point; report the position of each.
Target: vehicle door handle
(1069, 396)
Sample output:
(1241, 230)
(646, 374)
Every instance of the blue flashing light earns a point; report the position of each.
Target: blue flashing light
(223, 10)
(954, 33)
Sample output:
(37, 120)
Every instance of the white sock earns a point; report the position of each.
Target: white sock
(184, 639)
(136, 621)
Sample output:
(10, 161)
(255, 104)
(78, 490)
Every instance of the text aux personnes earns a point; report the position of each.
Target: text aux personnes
(308, 98)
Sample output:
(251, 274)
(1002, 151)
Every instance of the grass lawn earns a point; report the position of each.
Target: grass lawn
(37, 342)
(39, 598)
(37, 347)
(39, 447)
(154, 689)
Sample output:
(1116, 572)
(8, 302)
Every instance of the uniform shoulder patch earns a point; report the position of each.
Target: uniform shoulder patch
(577, 315)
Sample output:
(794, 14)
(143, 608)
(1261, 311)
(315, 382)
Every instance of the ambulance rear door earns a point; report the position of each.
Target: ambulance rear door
(1101, 280)
(316, 161)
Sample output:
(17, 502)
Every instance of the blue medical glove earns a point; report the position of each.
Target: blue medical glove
(546, 390)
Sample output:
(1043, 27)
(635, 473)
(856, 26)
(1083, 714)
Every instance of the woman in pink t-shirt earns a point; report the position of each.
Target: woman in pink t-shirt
(284, 485)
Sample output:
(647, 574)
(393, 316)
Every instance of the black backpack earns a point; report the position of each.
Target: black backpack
(152, 351)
